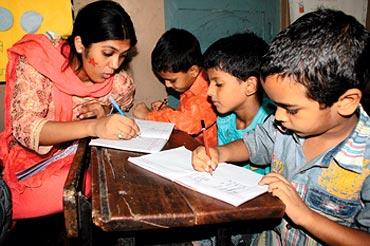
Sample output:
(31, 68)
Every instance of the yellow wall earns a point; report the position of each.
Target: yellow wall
(57, 17)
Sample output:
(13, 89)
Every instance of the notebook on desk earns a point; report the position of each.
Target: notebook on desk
(153, 137)
(229, 183)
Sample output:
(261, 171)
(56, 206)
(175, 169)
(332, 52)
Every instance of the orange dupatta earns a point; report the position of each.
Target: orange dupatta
(48, 60)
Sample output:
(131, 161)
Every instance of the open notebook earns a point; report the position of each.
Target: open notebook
(229, 183)
(153, 137)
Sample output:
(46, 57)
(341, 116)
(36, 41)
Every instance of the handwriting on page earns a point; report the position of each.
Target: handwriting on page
(226, 185)
(153, 136)
(229, 183)
(144, 143)
(158, 129)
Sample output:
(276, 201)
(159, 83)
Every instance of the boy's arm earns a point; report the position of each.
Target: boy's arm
(317, 225)
(188, 117)
(234, 151)
(336, 234)
(140, 111)
(258, 143)
(333, 233)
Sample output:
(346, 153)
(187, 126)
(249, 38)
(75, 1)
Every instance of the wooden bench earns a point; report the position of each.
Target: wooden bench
(77, 207)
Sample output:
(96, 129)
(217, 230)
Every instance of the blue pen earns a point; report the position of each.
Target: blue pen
(115, 105)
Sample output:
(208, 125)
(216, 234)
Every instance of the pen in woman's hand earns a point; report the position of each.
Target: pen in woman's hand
(115, 105)
(210, 169)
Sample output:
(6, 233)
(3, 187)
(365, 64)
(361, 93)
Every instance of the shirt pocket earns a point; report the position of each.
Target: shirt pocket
(340, 210)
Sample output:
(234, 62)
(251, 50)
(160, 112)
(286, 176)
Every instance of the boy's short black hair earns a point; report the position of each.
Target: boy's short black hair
(239, 55)
(176, 51)
(326, 50)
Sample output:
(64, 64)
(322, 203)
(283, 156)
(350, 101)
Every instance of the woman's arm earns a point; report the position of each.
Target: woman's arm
(30, 107)
(106, 127)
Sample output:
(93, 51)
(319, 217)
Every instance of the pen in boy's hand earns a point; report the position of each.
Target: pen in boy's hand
(206, 146)
(164, 102)
(115, 105)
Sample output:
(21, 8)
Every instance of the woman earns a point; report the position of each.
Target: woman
(56, 93)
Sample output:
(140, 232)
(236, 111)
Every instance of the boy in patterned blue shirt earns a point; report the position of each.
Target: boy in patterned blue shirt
(318, 143)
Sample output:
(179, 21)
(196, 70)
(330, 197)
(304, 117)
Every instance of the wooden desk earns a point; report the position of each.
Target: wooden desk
(128, 198)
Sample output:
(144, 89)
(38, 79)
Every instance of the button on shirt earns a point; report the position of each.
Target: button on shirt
(335, 184)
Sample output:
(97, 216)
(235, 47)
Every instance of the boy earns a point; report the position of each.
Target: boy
(177, 61)
(233, 67)
(318, 144)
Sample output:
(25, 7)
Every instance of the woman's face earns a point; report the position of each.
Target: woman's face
(101, 60)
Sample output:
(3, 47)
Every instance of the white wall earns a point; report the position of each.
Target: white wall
(148, 19)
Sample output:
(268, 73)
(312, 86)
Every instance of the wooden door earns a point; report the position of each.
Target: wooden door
(210, 20)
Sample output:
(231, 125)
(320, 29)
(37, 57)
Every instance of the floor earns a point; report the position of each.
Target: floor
(41, 231)
(50, 231)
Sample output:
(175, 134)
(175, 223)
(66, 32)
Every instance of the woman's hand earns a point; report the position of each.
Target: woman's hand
(140, 111)
(116, 127)
(91, 109)
(201, 162)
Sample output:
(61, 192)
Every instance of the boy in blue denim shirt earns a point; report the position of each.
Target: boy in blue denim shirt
(318, 142)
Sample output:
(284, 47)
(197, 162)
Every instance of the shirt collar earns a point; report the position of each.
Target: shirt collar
(199, 84)
(350, 153)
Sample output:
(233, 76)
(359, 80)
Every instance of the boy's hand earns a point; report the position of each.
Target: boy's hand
(158, 105)
(140, 111)
(278, 186)
(202, 163)
(91, 109)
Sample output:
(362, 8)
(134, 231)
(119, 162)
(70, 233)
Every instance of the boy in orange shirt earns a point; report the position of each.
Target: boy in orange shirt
(177, 62)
